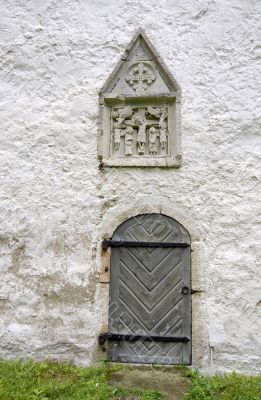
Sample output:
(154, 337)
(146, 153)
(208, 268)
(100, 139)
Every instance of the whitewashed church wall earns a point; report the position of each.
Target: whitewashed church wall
(56, 204)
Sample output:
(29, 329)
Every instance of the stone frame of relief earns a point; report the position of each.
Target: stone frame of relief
(139, 111)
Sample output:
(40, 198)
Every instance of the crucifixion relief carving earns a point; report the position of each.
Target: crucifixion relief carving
(140, 111)
(148, 130)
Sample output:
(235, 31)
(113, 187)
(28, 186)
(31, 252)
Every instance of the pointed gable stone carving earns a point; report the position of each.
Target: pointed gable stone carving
(140, 111)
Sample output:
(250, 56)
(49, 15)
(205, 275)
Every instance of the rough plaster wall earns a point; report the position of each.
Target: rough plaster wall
(55, 56)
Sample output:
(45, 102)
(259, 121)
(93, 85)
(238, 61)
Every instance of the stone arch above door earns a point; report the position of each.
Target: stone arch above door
(125, 210)
(152, 227)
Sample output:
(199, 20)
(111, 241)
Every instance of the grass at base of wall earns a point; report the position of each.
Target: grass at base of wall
(59, 381)
(228, 387)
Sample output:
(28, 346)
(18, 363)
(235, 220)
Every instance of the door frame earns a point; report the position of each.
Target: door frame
(128, 208)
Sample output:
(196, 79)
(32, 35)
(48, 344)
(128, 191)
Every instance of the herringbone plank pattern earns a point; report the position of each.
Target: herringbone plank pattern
(147, 286)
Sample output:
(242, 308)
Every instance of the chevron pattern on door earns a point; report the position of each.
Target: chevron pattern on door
(146, 295)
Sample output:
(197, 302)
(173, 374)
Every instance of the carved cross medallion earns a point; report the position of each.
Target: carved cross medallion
(140, 76)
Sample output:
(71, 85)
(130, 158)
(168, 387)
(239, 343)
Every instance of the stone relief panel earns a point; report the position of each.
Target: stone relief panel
(139, 131)
(140, 111)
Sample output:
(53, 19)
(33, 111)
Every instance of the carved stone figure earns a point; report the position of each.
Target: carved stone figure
(152, 141)
(159, 112)
(120, 115)
(140, 76)
(125, 112)
(163, 116)
(155, 111)
(141, 136)
(117, 136)
(163, 135)
(128, 141)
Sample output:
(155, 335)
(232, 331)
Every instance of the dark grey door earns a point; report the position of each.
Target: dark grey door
(150, 300)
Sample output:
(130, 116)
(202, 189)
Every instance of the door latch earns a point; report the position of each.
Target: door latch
(195, 291)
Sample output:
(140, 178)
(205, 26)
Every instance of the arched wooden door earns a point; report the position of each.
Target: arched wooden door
(150, 292)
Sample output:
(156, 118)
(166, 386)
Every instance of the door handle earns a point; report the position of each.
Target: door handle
(185, 290)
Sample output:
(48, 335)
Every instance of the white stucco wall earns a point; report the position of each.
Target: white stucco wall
(56, 205)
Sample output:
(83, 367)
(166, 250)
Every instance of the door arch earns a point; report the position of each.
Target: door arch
(150, 292)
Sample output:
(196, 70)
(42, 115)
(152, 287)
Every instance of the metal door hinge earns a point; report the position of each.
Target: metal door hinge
(134, 338)
(120, 243)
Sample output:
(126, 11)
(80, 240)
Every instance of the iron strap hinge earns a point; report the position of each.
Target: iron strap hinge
(120, 243)
(134, 338)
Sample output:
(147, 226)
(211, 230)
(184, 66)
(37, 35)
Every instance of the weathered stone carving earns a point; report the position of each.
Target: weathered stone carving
(163, 135)
(128, 141)
(140, 76)
(141, 136)
(152, 141)
(119, 115)
(140, 111)
(144, 130)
